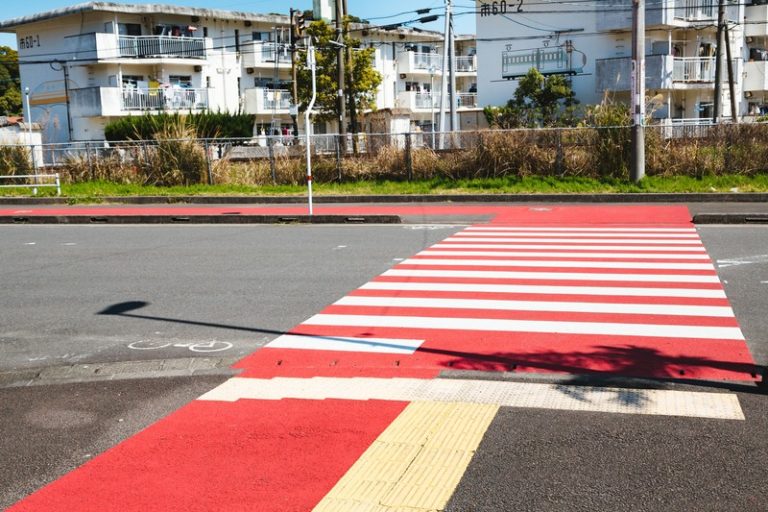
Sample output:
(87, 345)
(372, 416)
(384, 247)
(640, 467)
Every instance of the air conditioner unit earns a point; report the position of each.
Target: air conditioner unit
(402, 76)
(249, 70)
(198, 69)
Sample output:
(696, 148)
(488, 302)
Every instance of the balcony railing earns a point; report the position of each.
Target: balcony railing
(427, 61)
(466, 64)
(467, 100)
(169, 98)
(694, 69)
(277, 99)
(143, 47)
(696, 10)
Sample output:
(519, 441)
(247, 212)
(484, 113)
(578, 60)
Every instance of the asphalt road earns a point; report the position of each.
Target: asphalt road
(76, 297)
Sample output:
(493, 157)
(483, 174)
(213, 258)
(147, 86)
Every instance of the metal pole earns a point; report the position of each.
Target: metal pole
(311, 63)
(452, 74)
(432, 101)
(731, 80)
(637, 167)
(29, 138)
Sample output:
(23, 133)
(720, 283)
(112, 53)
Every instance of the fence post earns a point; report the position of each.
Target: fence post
(272, 167)
(559, 167)
(408, 156)
(208, 161)
(58, 184)
(90, 162)
(338, 142)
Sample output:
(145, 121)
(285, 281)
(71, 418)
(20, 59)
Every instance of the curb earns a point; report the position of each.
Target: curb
(449, 198)
(200, 219)
(730, 218)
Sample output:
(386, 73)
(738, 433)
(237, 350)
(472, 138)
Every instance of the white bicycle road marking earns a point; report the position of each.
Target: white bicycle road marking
(200, 346)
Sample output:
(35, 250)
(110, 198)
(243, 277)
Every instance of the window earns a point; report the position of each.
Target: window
(129, 29)
(180, 80)
(132, 81)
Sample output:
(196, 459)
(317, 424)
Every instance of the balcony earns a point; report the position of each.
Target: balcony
(263, 54)
(758, 21)
(167, 47)
(101, 46)
(425, 101)
(428, 63)
(661, 72)
(665, 13)
(114, 101)
(756, 76)
(267, 101)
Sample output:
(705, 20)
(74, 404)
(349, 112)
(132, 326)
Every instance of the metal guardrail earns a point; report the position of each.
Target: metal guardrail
(35, 185)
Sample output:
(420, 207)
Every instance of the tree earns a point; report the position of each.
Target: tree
(539, 101)
(10, 82)
(361, 78)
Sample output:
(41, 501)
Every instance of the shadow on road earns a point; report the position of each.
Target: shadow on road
(620, 361)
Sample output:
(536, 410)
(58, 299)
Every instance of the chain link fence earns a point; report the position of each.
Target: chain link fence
(276, 160)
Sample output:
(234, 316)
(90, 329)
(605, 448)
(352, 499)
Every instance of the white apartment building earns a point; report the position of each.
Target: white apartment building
(592, 42)
(91, 63)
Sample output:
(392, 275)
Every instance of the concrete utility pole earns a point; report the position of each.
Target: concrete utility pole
(444, 69)
(452, 71)
(637, 168)
(718, 108)
(341, 72)
(294, 74)
(351, 85)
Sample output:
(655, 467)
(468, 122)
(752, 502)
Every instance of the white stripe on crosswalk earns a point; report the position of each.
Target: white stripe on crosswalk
(547, 254)
(574, 247)
(345, 344)
(554, 276)
(661, 402)
(459, 237)
(496, 325)
(615, 291)
(550, 306)
(558, 263)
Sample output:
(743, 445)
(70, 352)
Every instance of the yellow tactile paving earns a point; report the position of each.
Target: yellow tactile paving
(416, 463)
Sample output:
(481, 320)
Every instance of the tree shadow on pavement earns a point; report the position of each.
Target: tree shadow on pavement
(616, 363)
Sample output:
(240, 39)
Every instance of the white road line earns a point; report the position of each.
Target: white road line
(554, 276)
(551, 306)
(496, 325)
(659, 402)
(448, 244)
(346, 344)
(458, 237)
(559, 263)
(545, 254)
(615, 291)
(579, 230)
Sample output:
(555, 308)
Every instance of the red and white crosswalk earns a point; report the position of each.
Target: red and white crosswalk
(636, 300)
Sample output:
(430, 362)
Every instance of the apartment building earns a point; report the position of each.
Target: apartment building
(592, 44)
(91, 63)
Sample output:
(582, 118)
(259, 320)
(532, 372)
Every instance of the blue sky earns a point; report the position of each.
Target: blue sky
(367, 9)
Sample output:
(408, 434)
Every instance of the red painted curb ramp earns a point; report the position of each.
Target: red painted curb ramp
(586, 289)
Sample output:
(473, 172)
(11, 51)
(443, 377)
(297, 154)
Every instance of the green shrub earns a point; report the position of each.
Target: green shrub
(206, 125)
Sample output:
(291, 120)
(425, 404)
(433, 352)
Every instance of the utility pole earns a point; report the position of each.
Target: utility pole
(452, 74)
(716, 115)
(444, 70)
(351, 86)
(731, 81)
(341, 72)
(637, 168)
(294, 77)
